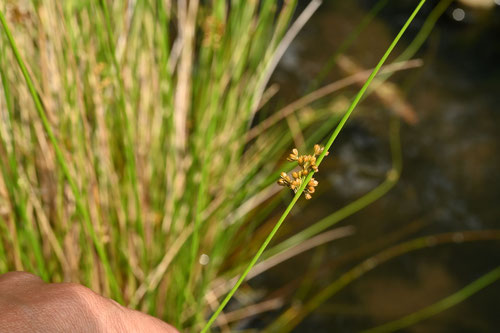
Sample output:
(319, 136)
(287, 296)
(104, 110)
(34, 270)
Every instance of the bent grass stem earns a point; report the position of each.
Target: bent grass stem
(293, 316)
(440, 306)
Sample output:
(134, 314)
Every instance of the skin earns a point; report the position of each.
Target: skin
(27, 304)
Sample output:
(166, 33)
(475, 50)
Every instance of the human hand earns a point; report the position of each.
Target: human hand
(27, 304)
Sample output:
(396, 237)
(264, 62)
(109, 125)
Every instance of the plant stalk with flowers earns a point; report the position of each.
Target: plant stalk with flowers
(307, 164)
(318, 161)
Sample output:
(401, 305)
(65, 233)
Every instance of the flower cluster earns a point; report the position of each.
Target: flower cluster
(307, 164)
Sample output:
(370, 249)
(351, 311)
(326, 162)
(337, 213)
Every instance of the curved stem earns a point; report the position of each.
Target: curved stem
(440, 306)
(293, 316)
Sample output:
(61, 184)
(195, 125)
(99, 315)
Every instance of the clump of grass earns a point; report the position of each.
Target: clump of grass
(123, 145)
(128, 157)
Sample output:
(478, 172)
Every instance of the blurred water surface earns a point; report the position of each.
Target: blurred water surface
(451, 173)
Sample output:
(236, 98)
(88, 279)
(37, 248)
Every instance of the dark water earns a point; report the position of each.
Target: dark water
(450, 180)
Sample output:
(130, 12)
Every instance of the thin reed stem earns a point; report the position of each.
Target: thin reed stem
(440, 306)
(293, 316)
(320, 158)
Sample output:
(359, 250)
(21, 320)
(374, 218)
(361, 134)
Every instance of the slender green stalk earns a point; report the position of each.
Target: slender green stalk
(128, 141)
(383, 188)
(424, 32)
(12, 184)
(438, 307)
(3, 259)
(347, 43)
(417, 42)
(320, 158)
(367, 83)
(62, 162)
(392, 178)
(293, 316)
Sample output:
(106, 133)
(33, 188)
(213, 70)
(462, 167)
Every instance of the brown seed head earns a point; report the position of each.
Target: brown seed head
(308, 165)
(317, 149)
(294, 155)
(313, 182)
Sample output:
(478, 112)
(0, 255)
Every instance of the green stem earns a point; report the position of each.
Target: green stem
(320, 158)
(439, 306)
(392, 178)
(383, 188)
(425, 31)
(293, 316)
(351, 38)
(128, 142)
(17, 200)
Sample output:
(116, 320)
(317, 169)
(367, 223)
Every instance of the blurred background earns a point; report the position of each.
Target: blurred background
(450, 177)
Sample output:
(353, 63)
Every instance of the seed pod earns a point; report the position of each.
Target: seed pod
(307, 196)
(313, 182)
(295, 175)
(317, 149)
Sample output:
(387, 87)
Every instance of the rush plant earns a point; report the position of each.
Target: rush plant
(136, 148)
